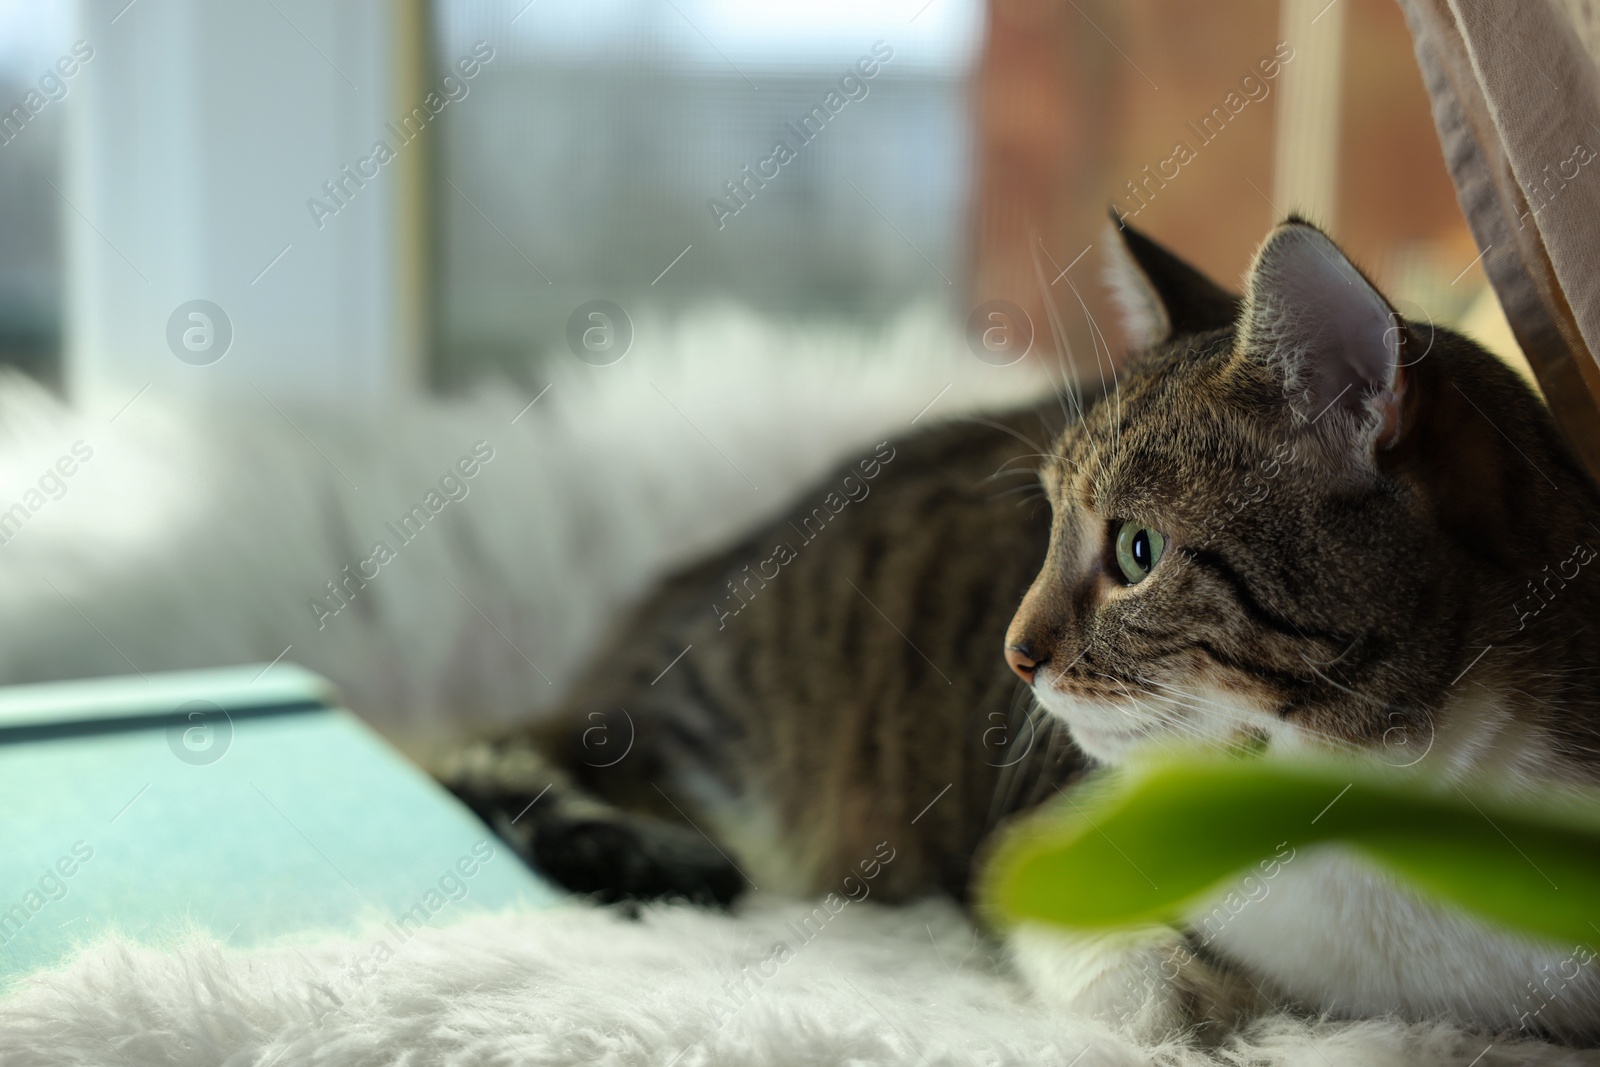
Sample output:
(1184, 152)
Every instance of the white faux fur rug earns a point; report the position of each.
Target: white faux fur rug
(677, 987)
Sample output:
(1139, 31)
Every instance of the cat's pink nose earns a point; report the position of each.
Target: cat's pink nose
(1021, 660)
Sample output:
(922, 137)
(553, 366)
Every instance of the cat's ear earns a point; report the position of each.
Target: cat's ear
(1332, 336)
(1160, 296)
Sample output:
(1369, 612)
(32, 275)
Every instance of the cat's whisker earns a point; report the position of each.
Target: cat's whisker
(1098, 341)
(1063, 345)
(1005, 781)
(1045, 456)
(1178, 697)
(1353, 643)
(1166, 712)
(1017, 771)
(997, 475)
(1052, 432)
(1176, 724)
(1042, 768)
(1228, 715)
(1170, 712)
(1014, 490)
(1055, 747)
(1036, 446)
(1344, 688)
(1238, 717)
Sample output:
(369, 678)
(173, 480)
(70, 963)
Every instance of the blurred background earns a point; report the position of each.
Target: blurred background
(376, 199)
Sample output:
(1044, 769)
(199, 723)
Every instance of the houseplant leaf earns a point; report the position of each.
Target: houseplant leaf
(1150, 846)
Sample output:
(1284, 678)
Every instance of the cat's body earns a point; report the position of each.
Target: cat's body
(1297, 524)
(827, 685)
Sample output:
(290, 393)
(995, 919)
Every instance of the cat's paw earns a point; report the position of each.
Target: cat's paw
(1147, 983)
(622, 858)
(581, 843)
(1125, 980)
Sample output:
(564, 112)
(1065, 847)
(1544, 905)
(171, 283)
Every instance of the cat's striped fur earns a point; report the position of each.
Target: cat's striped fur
(1376, 541)
(831, 683)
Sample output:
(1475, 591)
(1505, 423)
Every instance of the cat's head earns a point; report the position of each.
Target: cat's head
(1283, 522)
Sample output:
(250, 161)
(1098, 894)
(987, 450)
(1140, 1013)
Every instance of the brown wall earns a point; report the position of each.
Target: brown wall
(1077, 98)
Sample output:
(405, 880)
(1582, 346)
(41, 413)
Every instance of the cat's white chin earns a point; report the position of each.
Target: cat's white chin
(1107, 746)
(1117, 731)
(1108, 731)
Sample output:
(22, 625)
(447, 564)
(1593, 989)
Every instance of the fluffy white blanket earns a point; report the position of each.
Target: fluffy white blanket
(676, 986)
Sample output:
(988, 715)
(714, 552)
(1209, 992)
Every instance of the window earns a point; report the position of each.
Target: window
(34, 34)
(625, 150)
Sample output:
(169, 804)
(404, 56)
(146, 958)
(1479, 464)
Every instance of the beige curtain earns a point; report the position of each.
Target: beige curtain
(1516, 99)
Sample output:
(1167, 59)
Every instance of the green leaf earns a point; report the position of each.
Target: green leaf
(1149, 847)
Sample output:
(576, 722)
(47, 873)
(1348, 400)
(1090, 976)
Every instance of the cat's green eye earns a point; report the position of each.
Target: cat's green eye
(1139, 549)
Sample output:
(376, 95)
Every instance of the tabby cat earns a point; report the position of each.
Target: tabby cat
(831, 685)
(1297, 522)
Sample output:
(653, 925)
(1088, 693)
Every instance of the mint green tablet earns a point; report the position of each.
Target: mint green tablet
(242, 803)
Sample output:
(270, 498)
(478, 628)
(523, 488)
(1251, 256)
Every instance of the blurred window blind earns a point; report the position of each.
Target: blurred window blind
(34, 36)
(582, 161)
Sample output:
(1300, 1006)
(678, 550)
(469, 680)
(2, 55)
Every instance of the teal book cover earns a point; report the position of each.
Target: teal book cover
(242, 804)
